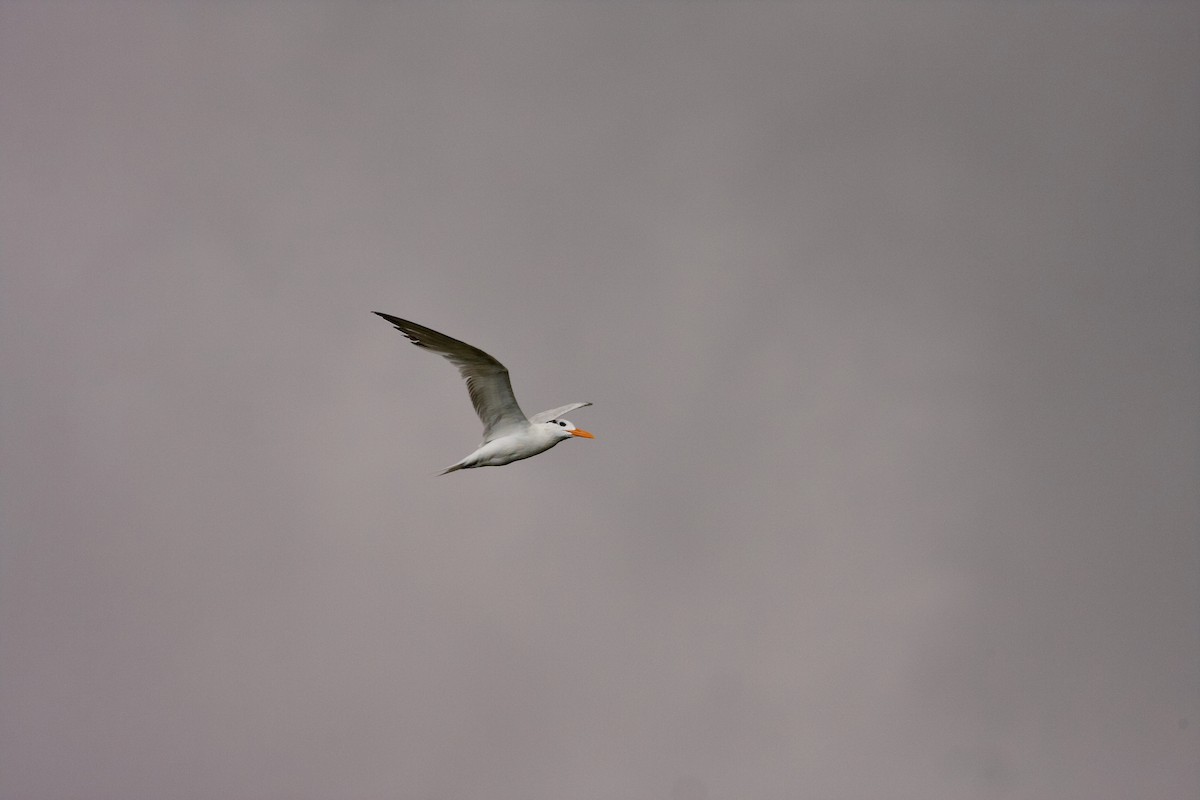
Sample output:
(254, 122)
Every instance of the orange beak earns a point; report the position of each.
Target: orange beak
(583, 433)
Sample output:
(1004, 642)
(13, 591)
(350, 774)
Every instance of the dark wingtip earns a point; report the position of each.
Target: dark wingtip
(387, 317)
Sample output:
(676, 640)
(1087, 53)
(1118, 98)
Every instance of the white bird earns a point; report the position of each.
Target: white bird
(508, 435)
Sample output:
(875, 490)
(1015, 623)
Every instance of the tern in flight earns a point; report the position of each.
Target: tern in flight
(508, 435)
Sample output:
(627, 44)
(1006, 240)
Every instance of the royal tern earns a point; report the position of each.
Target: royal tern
(508, 435)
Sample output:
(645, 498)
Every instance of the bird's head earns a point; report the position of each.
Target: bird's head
(565, 430)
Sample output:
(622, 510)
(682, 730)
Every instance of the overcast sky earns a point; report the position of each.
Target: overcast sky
(889, 313)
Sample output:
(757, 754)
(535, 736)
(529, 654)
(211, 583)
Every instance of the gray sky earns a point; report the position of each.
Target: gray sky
(889, 315)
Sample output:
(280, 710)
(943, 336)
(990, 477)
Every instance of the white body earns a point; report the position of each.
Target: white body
(512, 447)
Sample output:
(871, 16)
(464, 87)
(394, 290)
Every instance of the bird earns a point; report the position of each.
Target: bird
(508, 435)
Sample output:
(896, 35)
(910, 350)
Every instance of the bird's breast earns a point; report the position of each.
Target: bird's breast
(514, 447)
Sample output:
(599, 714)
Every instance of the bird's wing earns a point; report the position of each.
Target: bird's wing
(487, 379)
(555, 413)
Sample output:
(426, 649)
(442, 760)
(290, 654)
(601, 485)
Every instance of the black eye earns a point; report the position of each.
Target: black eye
(563, 424)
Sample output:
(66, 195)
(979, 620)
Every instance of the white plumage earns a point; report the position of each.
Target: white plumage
(508, 435)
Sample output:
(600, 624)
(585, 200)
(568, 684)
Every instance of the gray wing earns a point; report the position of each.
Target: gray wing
(555, 413)
(487, 379)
